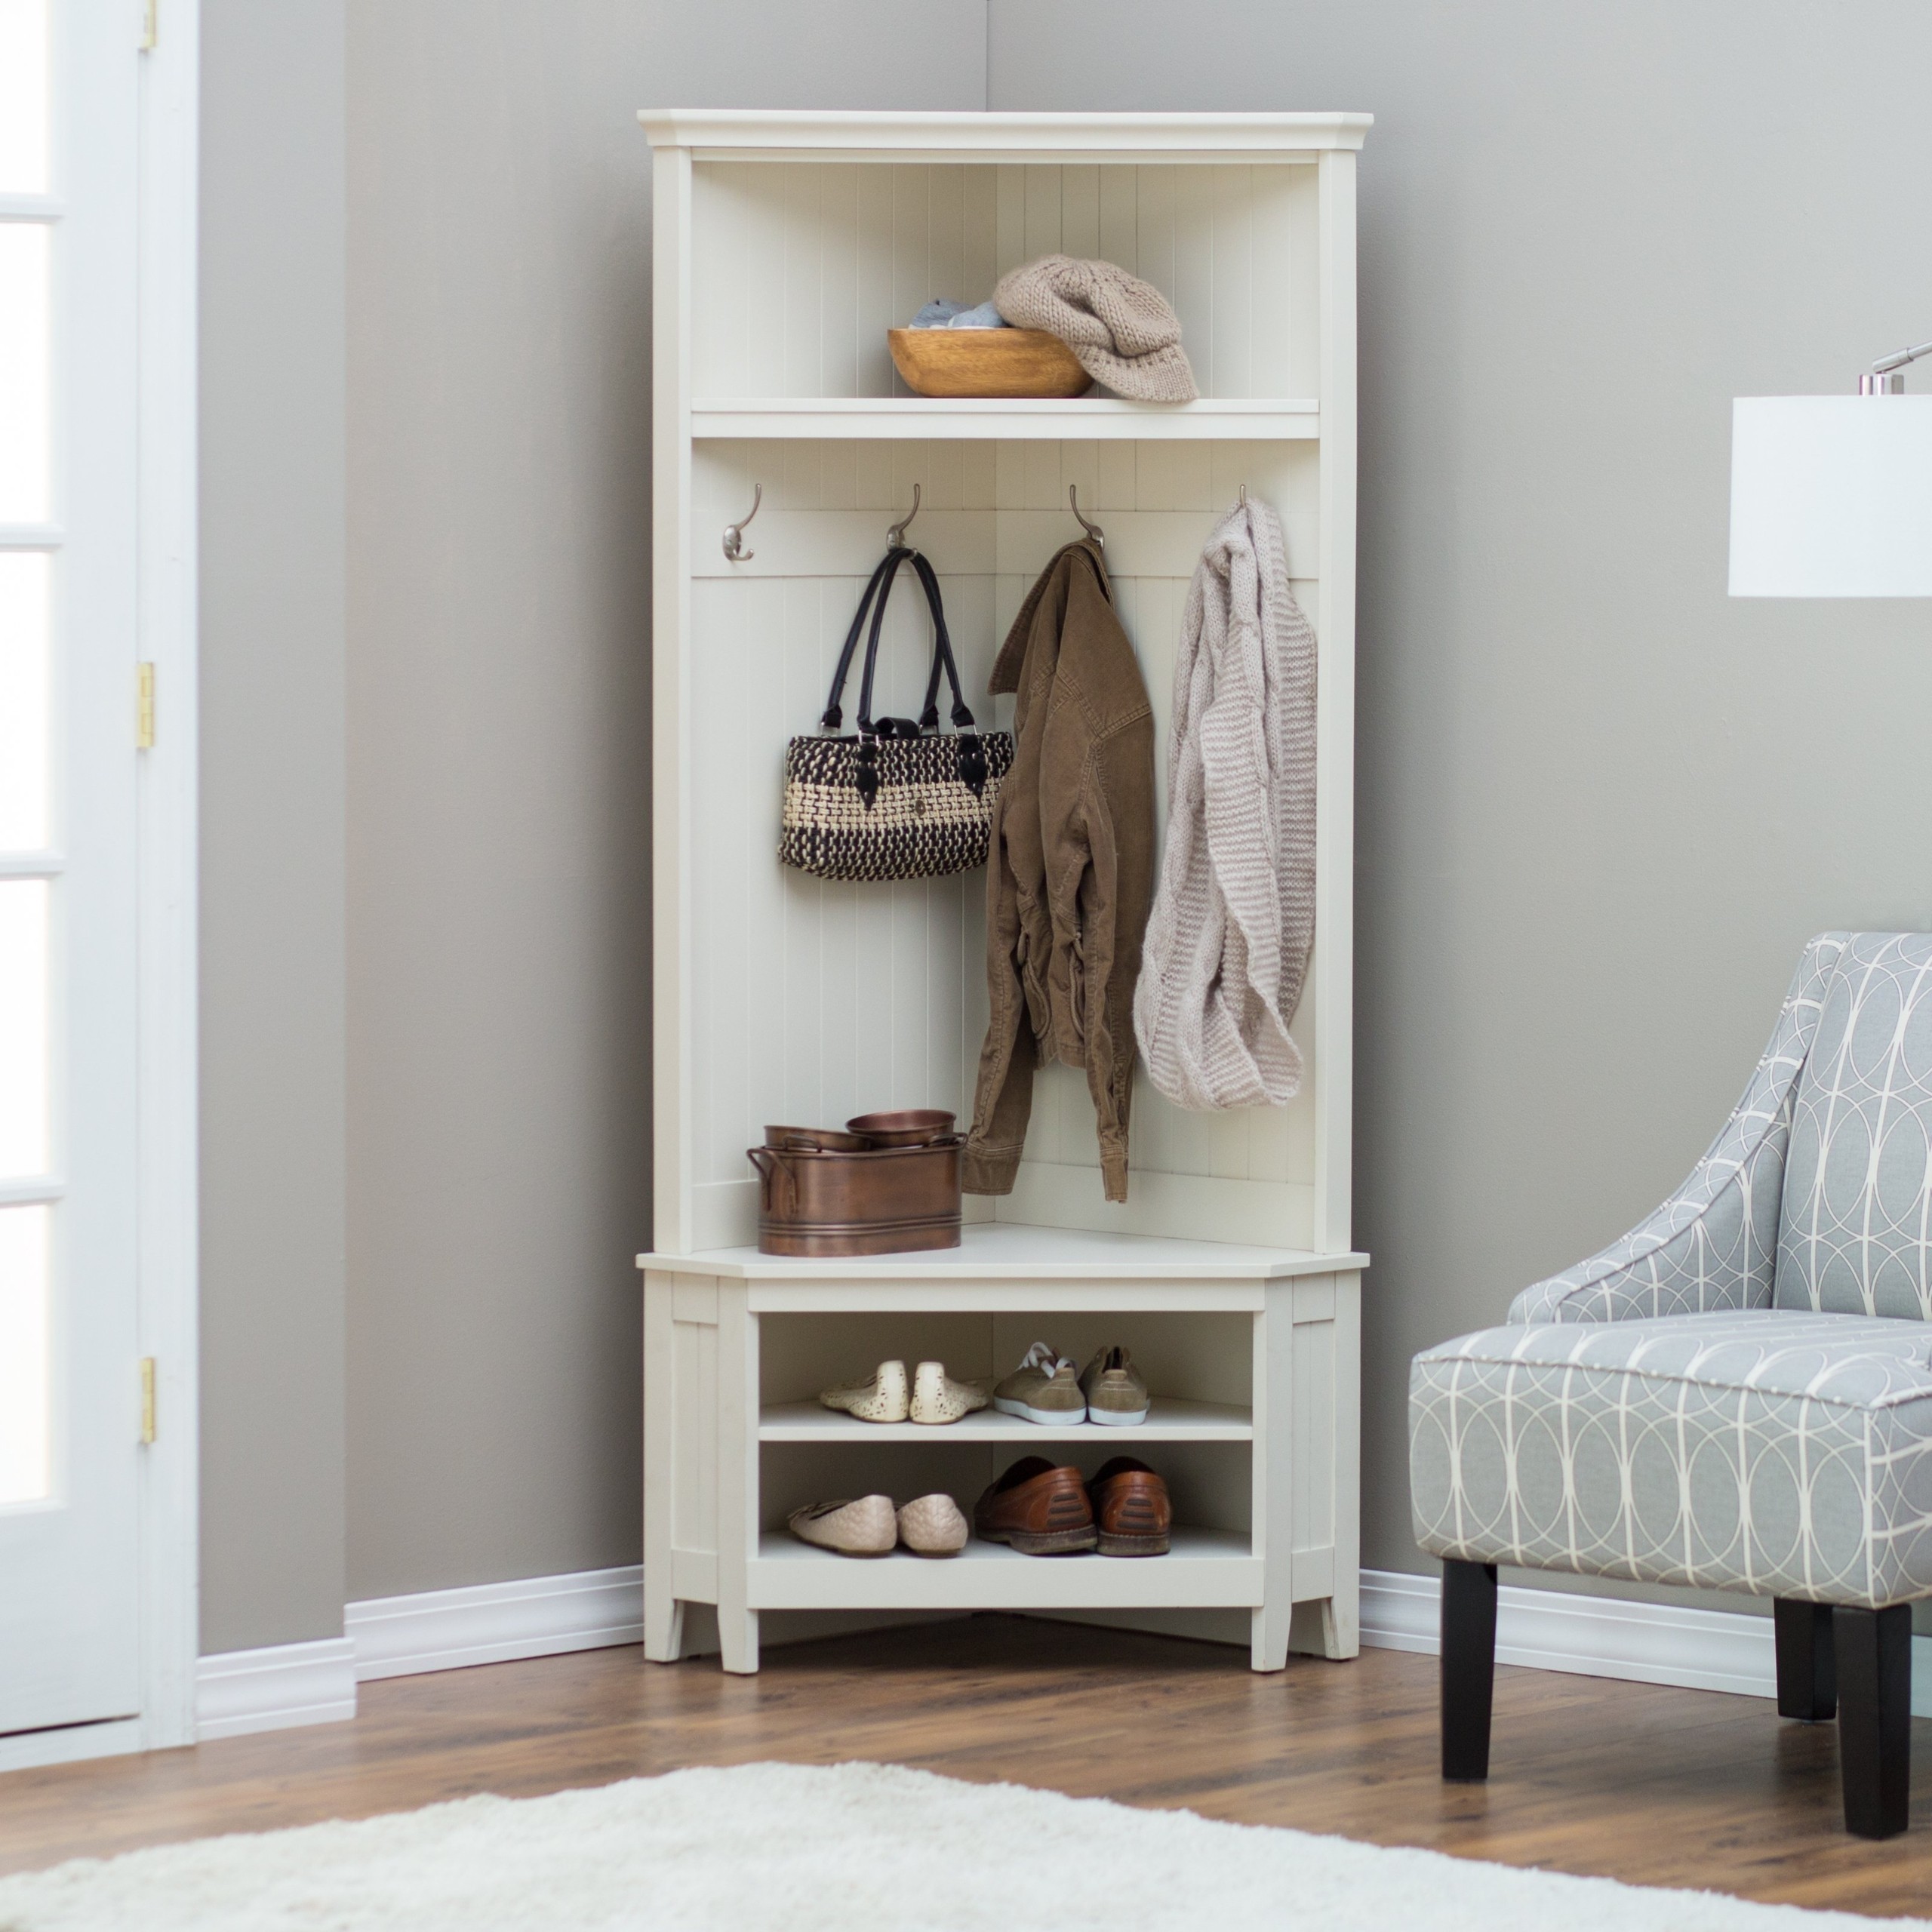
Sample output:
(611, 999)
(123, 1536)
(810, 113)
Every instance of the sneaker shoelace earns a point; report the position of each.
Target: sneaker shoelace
(1041, 1356)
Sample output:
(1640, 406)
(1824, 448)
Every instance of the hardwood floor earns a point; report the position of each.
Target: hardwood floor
(1653, 1785)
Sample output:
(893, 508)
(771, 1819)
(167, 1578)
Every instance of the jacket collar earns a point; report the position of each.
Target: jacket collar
(1007, 666)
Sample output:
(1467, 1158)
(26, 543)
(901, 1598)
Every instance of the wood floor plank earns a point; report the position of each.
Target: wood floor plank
(1650, 1785)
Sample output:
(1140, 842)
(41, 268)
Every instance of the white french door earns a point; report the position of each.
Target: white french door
(70, 1413)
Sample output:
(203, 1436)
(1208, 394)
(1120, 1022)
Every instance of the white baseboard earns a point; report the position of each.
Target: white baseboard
(275, 1688)
(539, 1616)
(532, 1617)
(536, 1616)
(1642, 1643)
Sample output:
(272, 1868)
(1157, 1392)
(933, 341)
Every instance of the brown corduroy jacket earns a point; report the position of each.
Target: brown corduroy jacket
(1071, 871)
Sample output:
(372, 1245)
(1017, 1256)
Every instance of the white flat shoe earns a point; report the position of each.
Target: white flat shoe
(937, 1397)
(932, 1526)
(866, 1528)
(881, 1397)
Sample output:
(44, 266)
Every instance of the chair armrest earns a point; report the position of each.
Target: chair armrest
(1713, 1244)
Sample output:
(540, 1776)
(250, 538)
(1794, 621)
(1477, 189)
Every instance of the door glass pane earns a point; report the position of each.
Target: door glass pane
(24, 1365)
(25, 369)
(23, 1026)
(23, 97)
(25, 725)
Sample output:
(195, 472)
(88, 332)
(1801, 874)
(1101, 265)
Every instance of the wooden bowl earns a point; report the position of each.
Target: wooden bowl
(989, 362)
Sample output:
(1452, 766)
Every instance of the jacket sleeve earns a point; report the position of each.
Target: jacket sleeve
(1110, 832)
(1003, 1094)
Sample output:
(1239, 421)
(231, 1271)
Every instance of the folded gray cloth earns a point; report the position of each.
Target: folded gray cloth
(945, 315)
(937, 314)
(1124, 330)
(985, 316)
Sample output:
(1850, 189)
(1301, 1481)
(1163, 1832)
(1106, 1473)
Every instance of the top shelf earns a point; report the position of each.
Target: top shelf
(759, 134)
(1253, 419)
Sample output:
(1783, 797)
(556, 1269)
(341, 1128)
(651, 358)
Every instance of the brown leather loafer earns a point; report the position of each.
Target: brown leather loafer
(1040, 1509)
(1133, 1514)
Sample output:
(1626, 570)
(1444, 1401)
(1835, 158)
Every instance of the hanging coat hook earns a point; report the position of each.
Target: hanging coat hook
(734, 533)
(895, 537)
(1092, 529)
(1242, 504)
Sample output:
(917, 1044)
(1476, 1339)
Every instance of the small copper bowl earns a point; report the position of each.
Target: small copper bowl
(816, 1139)
(914, 1127)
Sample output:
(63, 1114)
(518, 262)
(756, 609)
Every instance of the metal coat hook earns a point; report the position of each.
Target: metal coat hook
(1092, 529)
(895, 537)
(1241, 502)
(734, 533)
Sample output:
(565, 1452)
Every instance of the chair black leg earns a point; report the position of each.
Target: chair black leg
(1807, 1674)
(1469, 1669)
(1874, 1649)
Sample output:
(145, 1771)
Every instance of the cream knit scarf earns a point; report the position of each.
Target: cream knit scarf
(1233, 918)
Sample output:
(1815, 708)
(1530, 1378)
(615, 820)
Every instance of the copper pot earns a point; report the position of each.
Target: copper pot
(884, 1201)
(911, 1126)
(815, 1140)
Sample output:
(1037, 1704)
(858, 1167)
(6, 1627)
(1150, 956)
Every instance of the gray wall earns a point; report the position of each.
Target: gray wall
(1600, 805)
(271, 880)
(499, 1153)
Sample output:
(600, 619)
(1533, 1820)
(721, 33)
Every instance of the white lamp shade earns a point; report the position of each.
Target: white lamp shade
(1830, 496)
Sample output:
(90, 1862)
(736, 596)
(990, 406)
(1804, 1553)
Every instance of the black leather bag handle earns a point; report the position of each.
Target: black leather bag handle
(835, 714)
(877, 590)
(928, 721)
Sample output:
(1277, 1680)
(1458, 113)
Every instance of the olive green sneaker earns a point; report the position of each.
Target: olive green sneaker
(1116, 1391)
(1043, 1388)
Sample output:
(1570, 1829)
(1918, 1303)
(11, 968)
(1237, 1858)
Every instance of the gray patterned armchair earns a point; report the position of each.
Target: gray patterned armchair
(1738, 1394)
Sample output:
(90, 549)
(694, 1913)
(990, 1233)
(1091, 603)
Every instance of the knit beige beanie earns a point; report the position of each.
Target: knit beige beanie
(1124, 330)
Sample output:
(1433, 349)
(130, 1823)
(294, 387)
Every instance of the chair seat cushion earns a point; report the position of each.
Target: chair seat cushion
(1786, 1453)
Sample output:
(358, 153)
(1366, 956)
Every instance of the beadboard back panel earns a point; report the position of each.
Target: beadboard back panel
(798, 271)
(816, 1001)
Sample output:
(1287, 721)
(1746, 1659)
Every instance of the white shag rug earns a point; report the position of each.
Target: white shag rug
(842, 1848)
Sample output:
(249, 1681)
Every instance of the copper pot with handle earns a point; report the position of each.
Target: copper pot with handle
(835, 1200)
(911, 1126)
(818, 1140)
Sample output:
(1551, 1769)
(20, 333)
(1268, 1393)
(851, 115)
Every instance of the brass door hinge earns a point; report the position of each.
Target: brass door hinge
(150, 24)
(144, 707)
(147, 1398)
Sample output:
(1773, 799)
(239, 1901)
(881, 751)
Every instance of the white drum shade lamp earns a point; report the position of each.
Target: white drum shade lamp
(1830, 496)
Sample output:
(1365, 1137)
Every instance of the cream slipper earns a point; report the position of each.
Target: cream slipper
(866, 1528)
(937, 1397)
(932, 1526)
(880, 1397)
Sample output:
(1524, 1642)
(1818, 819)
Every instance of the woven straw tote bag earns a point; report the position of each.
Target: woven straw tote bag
(900, 800)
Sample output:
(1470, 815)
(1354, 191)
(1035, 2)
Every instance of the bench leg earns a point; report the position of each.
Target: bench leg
(1468, 1668)
(1874, 1649)
(1807, 1674)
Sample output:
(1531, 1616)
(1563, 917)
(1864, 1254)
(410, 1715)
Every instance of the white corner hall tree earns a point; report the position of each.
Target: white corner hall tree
(786, 244)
